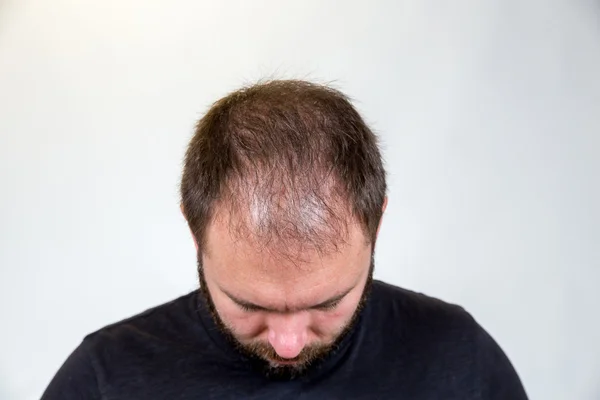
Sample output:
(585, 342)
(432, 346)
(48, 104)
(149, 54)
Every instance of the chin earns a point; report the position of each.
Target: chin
(280, 363)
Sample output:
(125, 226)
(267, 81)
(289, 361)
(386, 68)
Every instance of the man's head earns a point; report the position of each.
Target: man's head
(283, 189)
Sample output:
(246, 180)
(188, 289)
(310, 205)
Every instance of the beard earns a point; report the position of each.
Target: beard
(264, 357)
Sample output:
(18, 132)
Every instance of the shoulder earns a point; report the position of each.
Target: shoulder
(417, 308)
(132, 347)
(442, 338)
(171, 322)
(420, 321)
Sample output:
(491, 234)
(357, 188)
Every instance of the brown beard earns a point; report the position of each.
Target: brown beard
(264, 356)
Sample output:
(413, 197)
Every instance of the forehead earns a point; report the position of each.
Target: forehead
(258, 270)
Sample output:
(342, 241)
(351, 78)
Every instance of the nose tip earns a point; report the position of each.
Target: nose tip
(287, 344)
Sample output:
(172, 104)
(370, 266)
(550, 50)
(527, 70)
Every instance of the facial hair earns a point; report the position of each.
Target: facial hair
(264, 357)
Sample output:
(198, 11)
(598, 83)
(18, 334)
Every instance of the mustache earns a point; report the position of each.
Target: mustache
(266, 351)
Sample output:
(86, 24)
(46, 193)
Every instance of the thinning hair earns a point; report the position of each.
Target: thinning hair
(292, 162)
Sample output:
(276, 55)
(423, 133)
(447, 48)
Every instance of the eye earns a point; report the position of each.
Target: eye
(248, 307)
(245, 308)
(329, 306)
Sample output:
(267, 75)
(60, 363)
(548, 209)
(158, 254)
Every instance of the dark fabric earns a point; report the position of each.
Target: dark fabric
(405, 346)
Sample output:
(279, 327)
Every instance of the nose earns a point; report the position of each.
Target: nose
(288, 334)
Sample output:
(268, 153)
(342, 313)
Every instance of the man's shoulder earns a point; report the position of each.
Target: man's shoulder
(170, 321)
(431, 340)
(425, 328)
(416, 314)
(414, 302)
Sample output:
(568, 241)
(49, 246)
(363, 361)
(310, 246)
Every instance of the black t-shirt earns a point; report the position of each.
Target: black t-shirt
(405, 345)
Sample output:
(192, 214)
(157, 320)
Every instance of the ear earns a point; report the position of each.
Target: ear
(193, 236)
(383, 207)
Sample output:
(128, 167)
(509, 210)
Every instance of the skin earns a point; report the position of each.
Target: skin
(287, 310)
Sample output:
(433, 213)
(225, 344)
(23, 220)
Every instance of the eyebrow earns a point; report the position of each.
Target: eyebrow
(255, 307)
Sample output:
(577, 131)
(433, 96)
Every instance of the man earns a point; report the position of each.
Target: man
(283, 189)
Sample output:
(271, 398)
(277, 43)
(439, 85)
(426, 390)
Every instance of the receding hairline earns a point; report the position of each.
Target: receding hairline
(326, 237)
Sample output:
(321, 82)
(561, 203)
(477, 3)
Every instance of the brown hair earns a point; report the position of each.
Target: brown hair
(290, 158)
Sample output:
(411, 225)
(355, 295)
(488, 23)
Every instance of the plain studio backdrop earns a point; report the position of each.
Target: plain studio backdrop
(489, 115)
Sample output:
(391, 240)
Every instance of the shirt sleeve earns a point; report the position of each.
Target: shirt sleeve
(500, 381)
(76, 378)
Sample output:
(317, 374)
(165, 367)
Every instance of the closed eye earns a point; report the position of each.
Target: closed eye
(249, 307)
(328, 306)
(322, 307)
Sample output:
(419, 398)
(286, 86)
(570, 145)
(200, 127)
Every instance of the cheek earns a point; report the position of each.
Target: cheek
(327, 324)
(244, 325)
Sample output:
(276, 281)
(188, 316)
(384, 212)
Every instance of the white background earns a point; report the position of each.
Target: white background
(489, 113)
